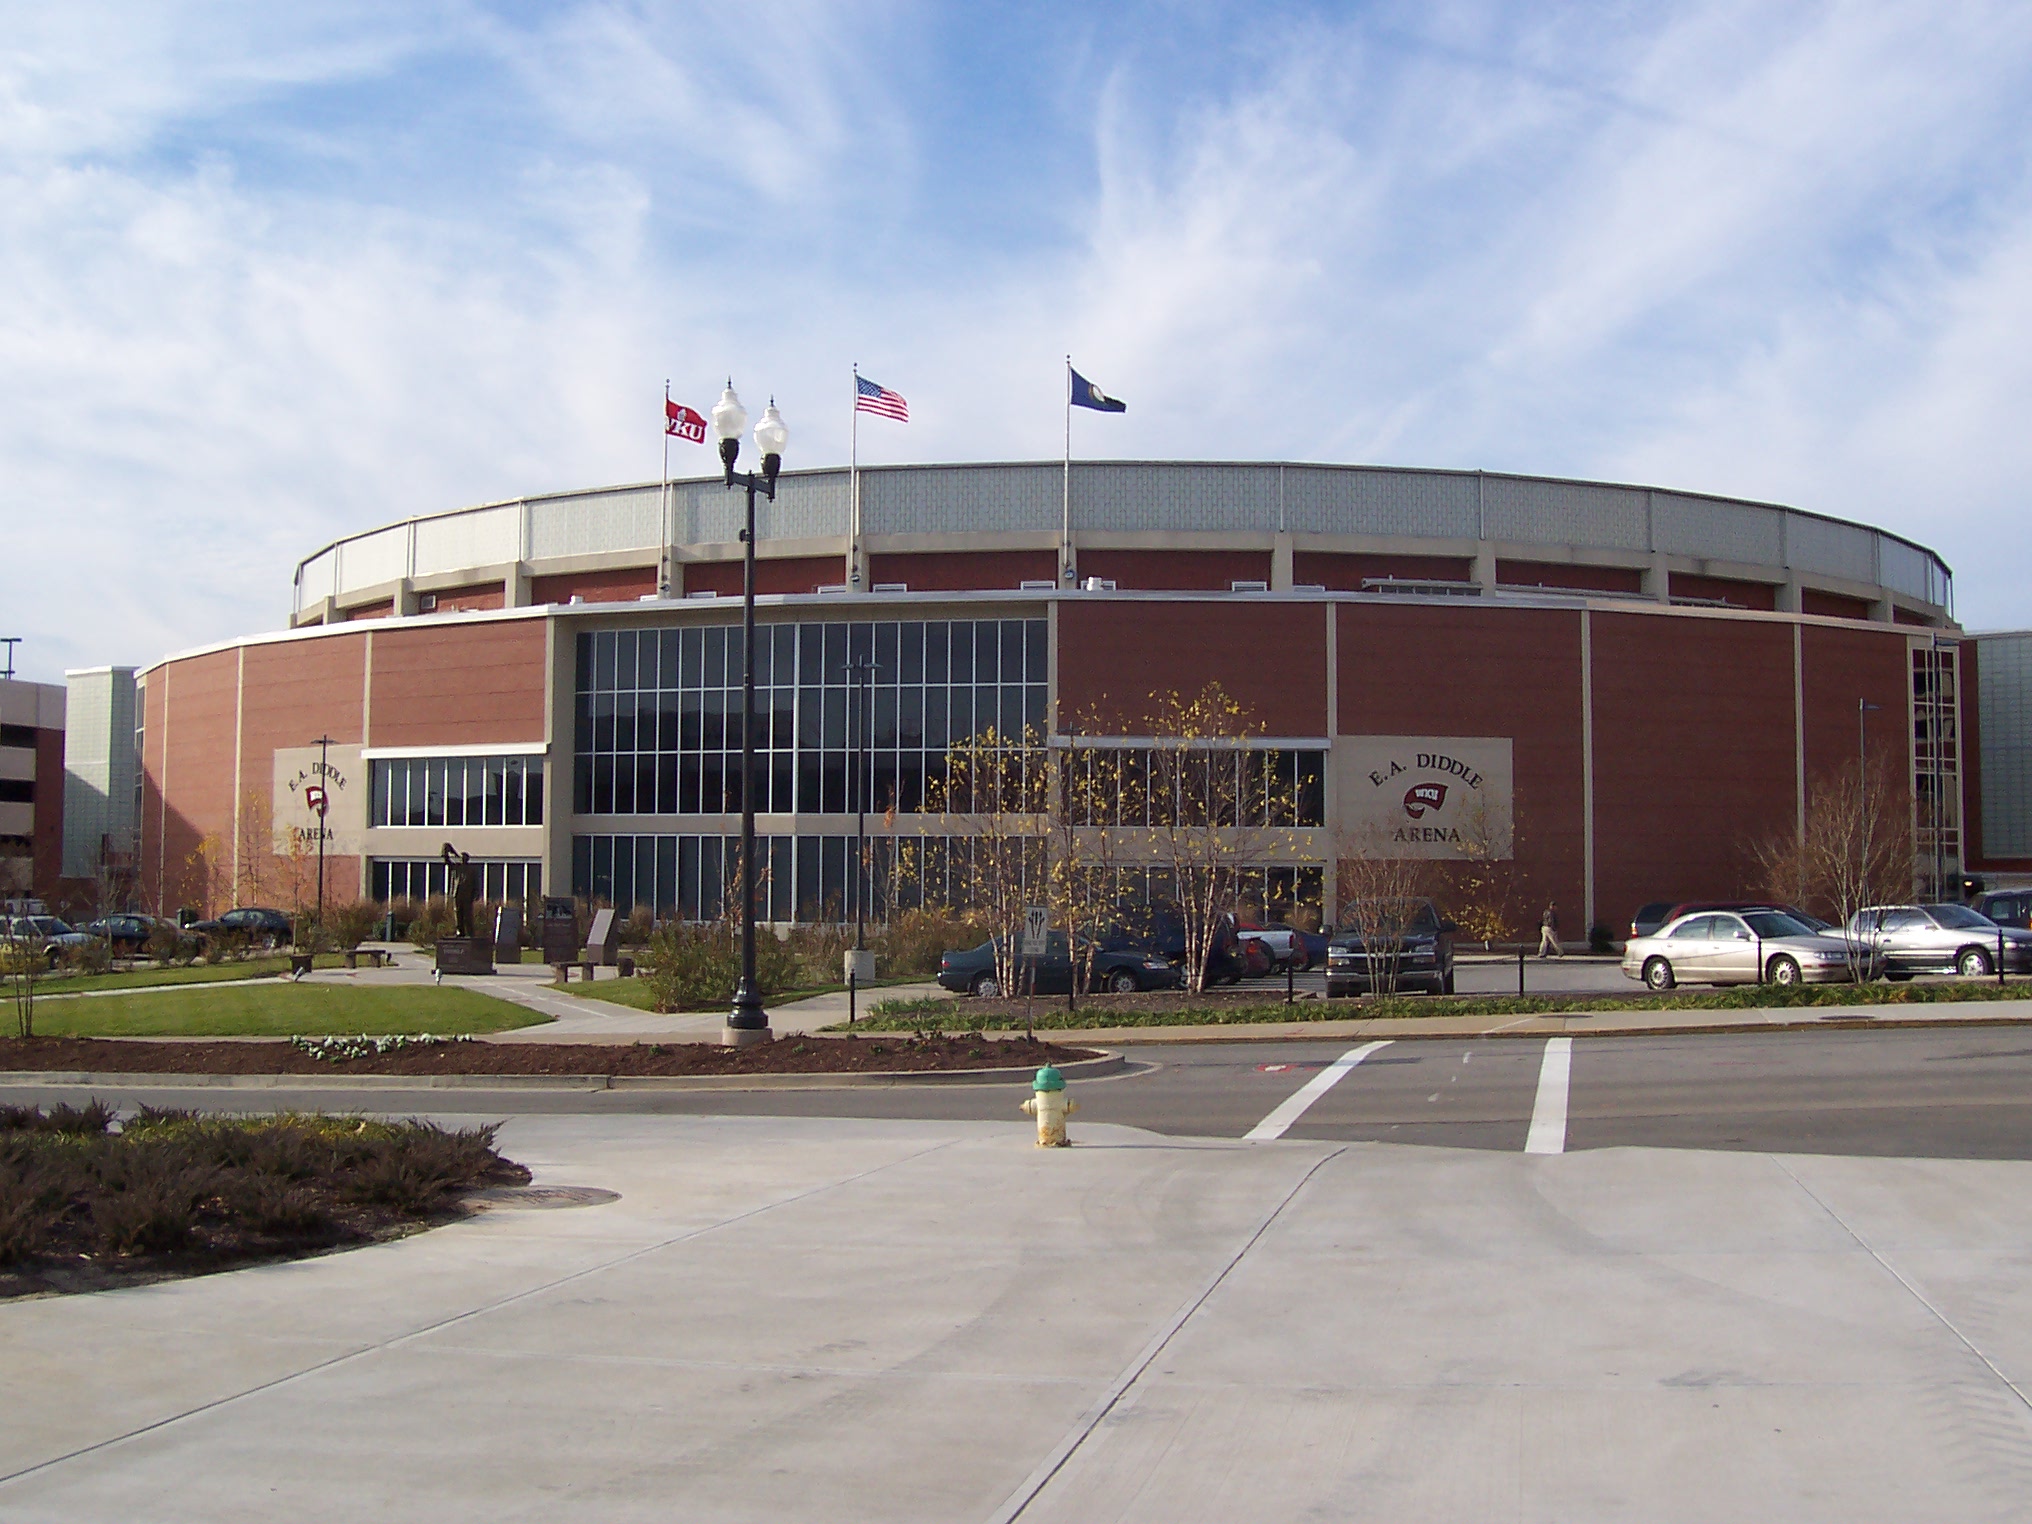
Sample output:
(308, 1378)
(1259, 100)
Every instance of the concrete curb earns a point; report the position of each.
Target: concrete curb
(1545, 1026)
(1086, 1068)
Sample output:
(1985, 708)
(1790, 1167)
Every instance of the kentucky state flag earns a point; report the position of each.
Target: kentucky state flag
(1086, 394)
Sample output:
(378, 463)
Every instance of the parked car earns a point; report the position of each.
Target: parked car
(971, 971)
(49, 935)
(1157, 929)
(1411, 943)
(1933, 939)
(128, 934)
(2007, 907)
(1742, 947)
(1649, 918)
(262, 926)
(1281, 942)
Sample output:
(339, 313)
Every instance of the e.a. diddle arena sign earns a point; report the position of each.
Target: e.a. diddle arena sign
(1428, 796)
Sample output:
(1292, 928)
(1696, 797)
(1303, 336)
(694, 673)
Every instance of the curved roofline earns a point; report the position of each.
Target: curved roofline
(993, 465)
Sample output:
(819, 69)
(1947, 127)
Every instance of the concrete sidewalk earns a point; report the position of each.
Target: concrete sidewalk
(803, 1319)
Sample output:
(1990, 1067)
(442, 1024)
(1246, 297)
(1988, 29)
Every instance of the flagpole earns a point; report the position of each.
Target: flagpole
(1065, 510)
(854, 484)
(663, 502)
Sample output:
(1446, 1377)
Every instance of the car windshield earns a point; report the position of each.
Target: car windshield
(1960, 918)
(1773, 923)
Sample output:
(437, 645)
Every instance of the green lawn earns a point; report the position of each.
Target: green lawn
(281, 1010)
(635, 992)
(154, 977)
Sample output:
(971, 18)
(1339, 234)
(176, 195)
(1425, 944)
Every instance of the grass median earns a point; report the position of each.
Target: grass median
(952, 1014)
(281, 1010)
(636, 992)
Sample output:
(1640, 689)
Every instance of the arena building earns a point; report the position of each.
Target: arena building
(1630, 683)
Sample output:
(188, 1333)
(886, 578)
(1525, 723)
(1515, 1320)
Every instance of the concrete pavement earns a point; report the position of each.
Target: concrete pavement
(788, 1318)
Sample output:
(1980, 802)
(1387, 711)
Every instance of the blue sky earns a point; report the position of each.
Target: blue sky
(269, 275)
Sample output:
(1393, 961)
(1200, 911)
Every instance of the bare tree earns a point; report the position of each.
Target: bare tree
(1854, 850)
(1484, 887)
(994, 795)
(1085, 830)
(1382, 897)
(1217, 812)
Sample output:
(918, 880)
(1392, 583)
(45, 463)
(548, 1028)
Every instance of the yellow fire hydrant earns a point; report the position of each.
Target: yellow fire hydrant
(1051, 1106)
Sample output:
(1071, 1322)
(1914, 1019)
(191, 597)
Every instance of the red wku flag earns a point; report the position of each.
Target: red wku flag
(684, 423)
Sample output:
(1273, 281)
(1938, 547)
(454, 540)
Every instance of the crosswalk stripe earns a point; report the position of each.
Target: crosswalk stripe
(1548, 1114)
(1274, 1125)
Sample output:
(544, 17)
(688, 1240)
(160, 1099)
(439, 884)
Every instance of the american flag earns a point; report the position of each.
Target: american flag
(870, 398)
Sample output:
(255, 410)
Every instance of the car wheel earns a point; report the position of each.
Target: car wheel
(1896, 975)
(1658, 974)
(1122, 982)
(1783, 972)
(1973, 963)
(985, 987)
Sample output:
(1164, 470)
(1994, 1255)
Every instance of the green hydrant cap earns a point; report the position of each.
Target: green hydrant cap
(1048, 1078)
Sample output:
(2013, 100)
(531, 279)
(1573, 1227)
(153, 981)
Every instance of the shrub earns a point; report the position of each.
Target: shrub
(695, 967)
(913, 939)
(169, 944)
(639, 927)
(227, 947)
(93, 957)
(350, 925)
(437, 919)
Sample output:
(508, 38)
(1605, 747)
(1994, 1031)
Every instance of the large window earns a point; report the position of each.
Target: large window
(803, 878)
(659, 712)
(457, 791)
(1236, 786)
(419, 878)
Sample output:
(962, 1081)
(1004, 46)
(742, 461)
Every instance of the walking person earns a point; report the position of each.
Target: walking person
(1548, 932)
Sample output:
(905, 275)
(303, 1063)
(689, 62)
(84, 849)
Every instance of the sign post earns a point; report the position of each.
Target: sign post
(1036, 940)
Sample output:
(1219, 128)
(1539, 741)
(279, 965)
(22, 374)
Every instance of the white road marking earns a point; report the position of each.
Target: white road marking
(1548, 1114)
(1273, 1125)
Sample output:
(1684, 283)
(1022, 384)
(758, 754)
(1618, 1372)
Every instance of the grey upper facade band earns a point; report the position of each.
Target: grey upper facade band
(1374, 509)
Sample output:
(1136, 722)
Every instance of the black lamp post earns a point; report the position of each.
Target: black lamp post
(863, 670)
(324, 805)
(747, 1022)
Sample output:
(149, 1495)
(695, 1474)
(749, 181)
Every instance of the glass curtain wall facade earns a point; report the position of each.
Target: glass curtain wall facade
(658, 732)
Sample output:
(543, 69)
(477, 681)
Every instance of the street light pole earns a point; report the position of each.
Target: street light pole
(863, 669)
(748, 1023)
(324, 805)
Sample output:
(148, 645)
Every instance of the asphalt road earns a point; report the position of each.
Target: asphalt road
(1907, 1093)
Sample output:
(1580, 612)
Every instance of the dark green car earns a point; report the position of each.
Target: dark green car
(972, 971)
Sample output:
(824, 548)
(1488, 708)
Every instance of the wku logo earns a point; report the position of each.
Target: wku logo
(1421, 797)
(684, 422)
(316, 798)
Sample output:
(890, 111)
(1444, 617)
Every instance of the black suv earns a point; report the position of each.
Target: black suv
(1391, 945)
(261, 926)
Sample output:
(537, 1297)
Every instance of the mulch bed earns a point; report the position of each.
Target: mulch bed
(789, 1055)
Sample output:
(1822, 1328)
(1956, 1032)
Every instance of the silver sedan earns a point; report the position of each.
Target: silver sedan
(1742, 947)
(1925, 939)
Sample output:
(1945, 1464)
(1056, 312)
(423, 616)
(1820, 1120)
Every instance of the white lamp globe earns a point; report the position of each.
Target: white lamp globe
(729, 417)
(771, 434)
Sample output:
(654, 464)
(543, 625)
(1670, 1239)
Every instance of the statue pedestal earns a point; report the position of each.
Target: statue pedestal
(465, 955)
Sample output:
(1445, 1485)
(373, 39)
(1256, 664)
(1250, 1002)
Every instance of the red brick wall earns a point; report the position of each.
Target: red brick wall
(1345, 572)
(1832, 605)
(1592, 579)
(927, 571)
(1746, 595)
(789, 574)
(473, 683)
(1694, 758)
(1463, 671)
(385, 609)
(1839, 668)
(49, 802)
(1183, 570)
(621, 584)
(294, 692)
(195, 701)
(484, 595)
(1269, 657)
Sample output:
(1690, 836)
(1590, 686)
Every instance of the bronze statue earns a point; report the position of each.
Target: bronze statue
(459, 876)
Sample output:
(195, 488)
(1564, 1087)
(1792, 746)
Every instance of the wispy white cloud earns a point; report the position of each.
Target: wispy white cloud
(266, 278)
